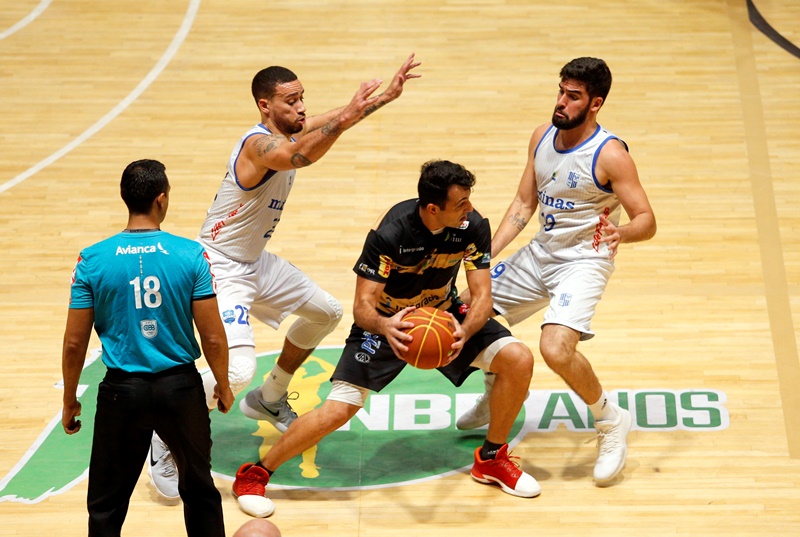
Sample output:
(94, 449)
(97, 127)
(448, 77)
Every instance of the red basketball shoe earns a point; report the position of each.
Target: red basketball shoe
(250, 489)
(504, 472)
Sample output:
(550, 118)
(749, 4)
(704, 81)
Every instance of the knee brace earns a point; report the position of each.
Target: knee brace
(241, 370)
(318, 317)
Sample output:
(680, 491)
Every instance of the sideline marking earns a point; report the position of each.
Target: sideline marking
(27, 19)
(176, 43)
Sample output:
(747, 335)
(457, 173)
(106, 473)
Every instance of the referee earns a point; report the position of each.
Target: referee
(141, 289)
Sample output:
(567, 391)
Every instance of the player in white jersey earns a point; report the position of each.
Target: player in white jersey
(252, 282)
(578, 175)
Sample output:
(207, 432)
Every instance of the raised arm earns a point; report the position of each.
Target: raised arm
(524, 204)
(392, 92)
(616, 167)
(277, 152)
(215, 348)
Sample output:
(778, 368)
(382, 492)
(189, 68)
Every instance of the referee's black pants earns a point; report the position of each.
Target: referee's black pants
(130, 406)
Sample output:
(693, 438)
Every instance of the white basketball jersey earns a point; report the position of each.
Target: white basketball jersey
(570, 198)
(241, 220)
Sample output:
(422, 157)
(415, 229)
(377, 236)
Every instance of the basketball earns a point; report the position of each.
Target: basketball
(433, 335)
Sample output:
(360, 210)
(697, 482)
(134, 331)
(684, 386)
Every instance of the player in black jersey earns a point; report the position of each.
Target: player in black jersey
(411, 260)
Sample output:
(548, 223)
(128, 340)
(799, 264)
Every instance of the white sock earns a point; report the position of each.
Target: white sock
(603, 410)
(276, 384)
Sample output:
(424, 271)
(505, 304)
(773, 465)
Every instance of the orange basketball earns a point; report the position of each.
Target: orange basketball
(433, 335)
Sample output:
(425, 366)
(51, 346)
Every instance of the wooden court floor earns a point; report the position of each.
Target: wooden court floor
(698, 328)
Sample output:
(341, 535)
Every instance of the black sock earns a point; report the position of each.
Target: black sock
(270, 472)
(489, 450)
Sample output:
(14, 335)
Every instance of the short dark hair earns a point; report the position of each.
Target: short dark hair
(436, 177)
(142, 182)
(592, 72)
(266, 80)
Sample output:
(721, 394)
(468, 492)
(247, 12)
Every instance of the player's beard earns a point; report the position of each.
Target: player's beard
(568, 123)
(289, 127)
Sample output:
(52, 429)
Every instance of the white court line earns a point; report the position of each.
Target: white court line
(44, 4)
(176, 43)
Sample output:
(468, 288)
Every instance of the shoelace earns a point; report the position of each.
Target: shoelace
(251, 484)
(293, 396)
(282, 409)
(607, 441)
(168, 468)
(480, 409)
(507, 462)
(251, 488)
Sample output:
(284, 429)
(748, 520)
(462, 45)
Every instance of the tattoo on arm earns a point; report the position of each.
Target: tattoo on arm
(331, 128)
(371, 108)
(265, 144)
(518, 221)
(299, 161)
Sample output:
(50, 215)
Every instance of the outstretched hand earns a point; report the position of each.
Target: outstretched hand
(360, 106)
(395, 88)
(363, 103)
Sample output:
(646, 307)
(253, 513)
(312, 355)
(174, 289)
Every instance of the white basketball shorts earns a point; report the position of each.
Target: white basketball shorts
(530, 280)
(269, 290)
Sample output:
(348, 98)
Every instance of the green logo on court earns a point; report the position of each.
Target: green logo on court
(406, 433)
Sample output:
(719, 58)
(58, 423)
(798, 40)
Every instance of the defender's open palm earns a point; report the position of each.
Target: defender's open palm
(363, 103)
(395, 88)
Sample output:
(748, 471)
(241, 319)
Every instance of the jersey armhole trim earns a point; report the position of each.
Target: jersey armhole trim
(267, 176)
(594, 163)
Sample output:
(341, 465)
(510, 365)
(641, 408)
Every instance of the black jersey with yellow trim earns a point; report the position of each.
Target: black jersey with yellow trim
(418, 267)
